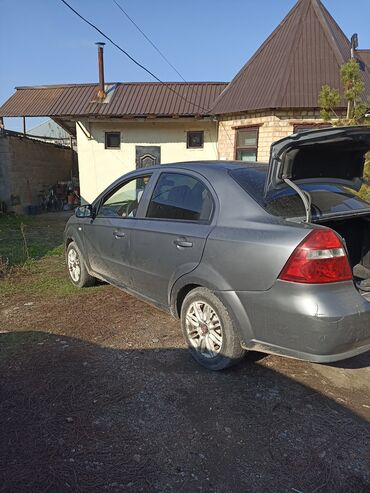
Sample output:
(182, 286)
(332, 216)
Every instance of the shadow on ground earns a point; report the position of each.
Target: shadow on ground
(79, 417)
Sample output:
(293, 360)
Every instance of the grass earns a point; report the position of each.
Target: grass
(46, 277)
(14, 221)
(31, 257)
(56, 251)
(24, 238)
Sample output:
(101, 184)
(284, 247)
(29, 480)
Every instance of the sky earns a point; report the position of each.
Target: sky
(43, 42)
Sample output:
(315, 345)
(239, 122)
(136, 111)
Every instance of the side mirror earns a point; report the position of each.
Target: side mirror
(85, 211)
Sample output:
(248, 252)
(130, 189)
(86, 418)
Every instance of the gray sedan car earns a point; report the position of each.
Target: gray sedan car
(268, 257)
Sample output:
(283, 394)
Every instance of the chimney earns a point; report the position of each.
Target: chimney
(101, 91)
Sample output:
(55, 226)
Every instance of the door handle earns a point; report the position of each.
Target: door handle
(119, 234)
(182, 243)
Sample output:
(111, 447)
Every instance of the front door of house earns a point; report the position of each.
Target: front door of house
(147, 156)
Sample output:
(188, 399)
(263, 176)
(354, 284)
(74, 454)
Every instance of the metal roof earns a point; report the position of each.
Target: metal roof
(136, 99)
(364, 56)
(303, 53)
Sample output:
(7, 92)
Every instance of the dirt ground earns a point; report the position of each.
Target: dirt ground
(98, 393)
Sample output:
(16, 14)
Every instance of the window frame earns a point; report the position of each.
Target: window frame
(187, 221)
(115, 188)
(106, 134)
(188, 146)
(246, 148)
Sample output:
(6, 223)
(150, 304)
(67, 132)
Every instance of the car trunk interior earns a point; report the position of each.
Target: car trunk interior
(356, 234)
(340, 159)
(328, 161)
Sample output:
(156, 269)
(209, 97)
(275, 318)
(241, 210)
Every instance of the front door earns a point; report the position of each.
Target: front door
(108, 237)
(147, 156)
(107, 241)
(169, 241)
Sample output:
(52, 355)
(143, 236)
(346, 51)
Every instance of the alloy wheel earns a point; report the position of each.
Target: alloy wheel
(204, 329)
(74, 265)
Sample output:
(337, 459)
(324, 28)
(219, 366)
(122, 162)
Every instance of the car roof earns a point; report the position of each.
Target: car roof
(206, 168)
(209, 165)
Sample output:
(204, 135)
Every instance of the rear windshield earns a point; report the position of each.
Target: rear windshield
(326, 198)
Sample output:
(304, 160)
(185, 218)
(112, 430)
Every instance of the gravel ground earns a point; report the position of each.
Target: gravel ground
(98, 393)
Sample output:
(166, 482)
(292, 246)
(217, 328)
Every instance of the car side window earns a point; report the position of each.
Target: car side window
(124, 200)
(180, 197)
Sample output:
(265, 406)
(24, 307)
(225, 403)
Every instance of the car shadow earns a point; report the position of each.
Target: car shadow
(360, 361)
(76, 416)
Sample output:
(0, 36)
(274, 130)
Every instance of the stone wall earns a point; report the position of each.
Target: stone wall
(272, 127)
(28, 166)
(4, 171)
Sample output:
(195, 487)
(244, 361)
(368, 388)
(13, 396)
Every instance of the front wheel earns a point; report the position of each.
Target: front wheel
(209, 330)
(77, 271)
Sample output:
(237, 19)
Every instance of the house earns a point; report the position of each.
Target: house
(49, 131)
(132, 125)
(276, 92)
(120, 126)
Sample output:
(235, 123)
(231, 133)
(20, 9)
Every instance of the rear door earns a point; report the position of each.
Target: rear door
(108, 237)
(168, 241)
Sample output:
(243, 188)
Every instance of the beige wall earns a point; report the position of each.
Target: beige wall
(272, 127)
(99, 167)
(27, 167)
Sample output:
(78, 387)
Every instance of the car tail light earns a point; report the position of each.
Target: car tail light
(320, 258)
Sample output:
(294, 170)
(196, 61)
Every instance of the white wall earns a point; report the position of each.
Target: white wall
(99, 167)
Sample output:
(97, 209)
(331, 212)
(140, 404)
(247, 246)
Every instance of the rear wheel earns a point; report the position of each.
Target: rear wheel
(77, 271)
(209, 330)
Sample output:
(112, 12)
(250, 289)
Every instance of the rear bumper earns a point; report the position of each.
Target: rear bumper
(319, 323)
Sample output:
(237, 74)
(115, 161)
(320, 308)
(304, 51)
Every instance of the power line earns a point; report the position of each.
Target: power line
(164, 58)
(129, 56)
(149, 40)
(139, 64)
(157, 49)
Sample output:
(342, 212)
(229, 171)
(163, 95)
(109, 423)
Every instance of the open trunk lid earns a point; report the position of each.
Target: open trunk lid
(335, 155)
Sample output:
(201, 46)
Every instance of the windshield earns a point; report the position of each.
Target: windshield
(327, 198)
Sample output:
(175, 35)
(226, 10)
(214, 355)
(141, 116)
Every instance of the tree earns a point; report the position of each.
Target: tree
(357, 107)
(329, 100)
(353, 89)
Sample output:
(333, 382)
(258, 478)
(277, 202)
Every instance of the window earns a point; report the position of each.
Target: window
(124, 201)
(327, 198)
(112, 140)
(246, 144)
(180, 197)
(195, 140)
(302, 127)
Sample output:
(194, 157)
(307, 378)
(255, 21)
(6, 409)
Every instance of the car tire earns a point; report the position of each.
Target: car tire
(209, 330)
(77, 271)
